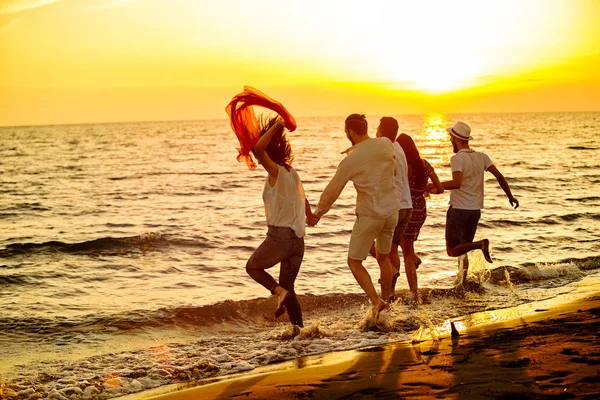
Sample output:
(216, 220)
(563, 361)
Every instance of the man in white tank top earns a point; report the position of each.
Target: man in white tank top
(466, 198)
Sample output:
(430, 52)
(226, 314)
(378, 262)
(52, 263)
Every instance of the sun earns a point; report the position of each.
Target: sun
(441, 77)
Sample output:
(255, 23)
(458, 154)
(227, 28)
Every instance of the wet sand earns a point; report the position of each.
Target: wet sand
(551, 353)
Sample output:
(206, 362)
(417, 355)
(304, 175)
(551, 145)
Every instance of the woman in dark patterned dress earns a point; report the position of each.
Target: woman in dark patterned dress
(419, 172)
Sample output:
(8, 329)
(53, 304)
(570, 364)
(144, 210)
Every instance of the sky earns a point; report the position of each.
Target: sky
(94, 61)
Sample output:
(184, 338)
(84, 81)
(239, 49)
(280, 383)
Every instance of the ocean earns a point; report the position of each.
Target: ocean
(123, 247)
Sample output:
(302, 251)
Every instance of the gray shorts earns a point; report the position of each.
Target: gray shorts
(461, 226)
(403, 218)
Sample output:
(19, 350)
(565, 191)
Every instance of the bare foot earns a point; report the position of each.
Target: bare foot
(376, 309)
(282, 296)
(413, 300)
(485, 248)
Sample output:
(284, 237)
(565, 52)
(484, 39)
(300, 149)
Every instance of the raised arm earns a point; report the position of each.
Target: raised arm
(504, 185)
(261, 153)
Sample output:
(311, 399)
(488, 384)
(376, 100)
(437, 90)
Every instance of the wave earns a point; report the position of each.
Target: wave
(544, 220)
(20, 207)
(570, 269)
(14, 279)
(582, 148)
(585, 199)
(254, 313)
(163, 173)
(145, 241)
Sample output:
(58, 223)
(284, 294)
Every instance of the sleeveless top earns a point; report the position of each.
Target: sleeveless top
(285, 201)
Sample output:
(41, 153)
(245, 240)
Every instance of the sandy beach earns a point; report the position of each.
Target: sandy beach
(550, 353)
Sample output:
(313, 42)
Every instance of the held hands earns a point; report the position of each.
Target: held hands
(430, 189)
(514, 202)
(312, 219)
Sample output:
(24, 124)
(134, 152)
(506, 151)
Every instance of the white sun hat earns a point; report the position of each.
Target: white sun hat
(460, 130)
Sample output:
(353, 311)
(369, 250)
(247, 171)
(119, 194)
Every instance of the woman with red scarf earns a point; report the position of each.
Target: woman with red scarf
(286, 207)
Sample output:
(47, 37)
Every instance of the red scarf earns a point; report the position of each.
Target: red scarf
(244, 122)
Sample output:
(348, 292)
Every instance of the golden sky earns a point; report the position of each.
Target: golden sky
(80, 61)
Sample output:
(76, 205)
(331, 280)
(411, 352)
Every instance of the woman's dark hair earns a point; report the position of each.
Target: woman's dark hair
(278, 149)
(358, 123)
(412, 157)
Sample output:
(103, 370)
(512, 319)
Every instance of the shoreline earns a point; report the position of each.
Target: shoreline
(542, 350)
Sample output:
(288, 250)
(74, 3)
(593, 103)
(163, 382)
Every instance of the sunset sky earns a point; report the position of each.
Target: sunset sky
(84, 61)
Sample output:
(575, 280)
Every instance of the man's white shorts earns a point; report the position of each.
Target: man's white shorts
(366, 230)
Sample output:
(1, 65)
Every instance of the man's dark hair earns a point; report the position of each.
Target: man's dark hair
(388, 127)
(358, 123)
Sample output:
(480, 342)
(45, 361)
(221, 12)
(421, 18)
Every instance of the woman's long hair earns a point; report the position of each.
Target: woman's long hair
(412, 157)
(278, 149)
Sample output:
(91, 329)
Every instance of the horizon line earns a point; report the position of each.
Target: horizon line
(301, 117)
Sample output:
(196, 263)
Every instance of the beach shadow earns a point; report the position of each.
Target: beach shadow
(476, 365)
(381, 372)
(240, 387)
(490, 363)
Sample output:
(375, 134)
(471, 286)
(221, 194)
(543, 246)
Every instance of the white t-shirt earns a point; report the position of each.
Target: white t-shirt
(284, 202)
(473, 165)
(401, 180)
(370, 166)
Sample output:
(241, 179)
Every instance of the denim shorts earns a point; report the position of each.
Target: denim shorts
(461, 226)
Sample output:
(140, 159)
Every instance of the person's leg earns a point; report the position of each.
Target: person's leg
(364, 280)
(383, 244)
(408, 251)
(270, 252)
(464, 248)
(463, 269)
(287, 277)
(386, 271)
(403, 218)
(363, 234)
(471, 229)
(454, 237)
(461, 226)
(395, 258)
(265, 256)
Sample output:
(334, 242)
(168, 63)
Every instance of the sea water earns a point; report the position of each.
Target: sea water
(123, 246)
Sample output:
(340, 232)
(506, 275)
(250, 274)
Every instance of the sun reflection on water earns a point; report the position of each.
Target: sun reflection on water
(434, 130)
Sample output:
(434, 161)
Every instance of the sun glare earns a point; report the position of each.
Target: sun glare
(434, 133)
(182, 62)
(439, 76)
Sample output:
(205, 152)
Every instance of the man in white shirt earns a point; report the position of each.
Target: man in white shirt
(370, 165)
(466, 198)
(388, 127)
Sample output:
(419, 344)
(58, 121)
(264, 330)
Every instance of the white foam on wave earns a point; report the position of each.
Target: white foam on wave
(233, 350)
(113, 375)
